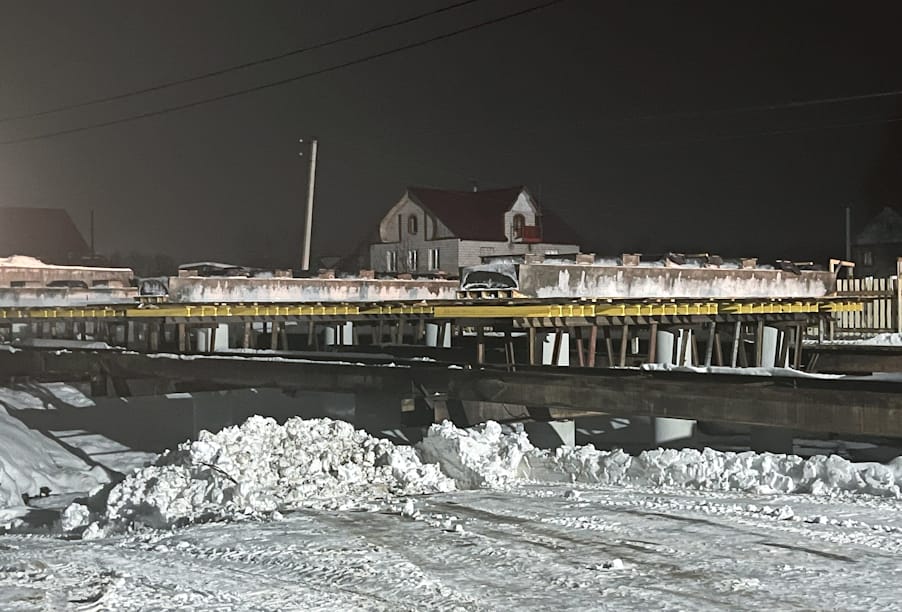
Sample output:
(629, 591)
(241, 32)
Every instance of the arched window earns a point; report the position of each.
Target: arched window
(518, 223)
(412, 224)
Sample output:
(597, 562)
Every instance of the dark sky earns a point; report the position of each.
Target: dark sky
(611, 113)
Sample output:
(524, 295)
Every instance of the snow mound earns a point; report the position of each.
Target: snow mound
(261, 467)
(21, 261)
(485, 456)
(29, 461)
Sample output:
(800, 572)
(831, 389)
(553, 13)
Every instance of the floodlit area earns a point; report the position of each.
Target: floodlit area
(313, 514)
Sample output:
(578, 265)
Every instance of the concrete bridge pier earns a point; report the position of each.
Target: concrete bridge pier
(667, 431)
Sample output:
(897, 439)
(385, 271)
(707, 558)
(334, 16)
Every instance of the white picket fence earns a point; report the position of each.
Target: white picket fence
(881, 306)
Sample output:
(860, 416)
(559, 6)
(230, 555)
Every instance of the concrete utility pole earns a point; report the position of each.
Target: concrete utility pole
(308, 225)
(848, 233)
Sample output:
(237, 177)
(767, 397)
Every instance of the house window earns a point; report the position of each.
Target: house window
(412, 260)
(483, 251)
(868, 258)
(551, 252)
(391, 261)
(518, 223)
(434, 261)
(412, 224)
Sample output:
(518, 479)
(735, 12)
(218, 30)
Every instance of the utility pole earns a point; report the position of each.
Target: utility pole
(93, 252)
(308, 225)
(848, 233)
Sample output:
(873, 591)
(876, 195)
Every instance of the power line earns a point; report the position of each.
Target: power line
(771, 107)
(285, 81)
(236, 67)
(780, 132)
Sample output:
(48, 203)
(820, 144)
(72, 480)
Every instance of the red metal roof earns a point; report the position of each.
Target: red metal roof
(470, 215)
(479, 215)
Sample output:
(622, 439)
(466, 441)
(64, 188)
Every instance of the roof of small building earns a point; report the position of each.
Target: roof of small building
(46, 233)
(885, 228)
(479, 215)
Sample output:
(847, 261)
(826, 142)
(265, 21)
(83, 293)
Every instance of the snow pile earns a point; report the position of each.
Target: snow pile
(21, 261)
(29, 461)
(261, 467)
(483, 456)
(885, 339)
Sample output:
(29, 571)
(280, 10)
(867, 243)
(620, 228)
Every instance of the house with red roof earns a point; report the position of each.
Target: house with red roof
(432, 231)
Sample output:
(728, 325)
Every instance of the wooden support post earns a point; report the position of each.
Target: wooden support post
(355, 334)
(380, 332)
(743, 355)
(683, 347)
(609, 345)
(694, 359)
(421, 331)
(797, 350)
(737, 338)
(532, 346)
(709, 348)
(183, 337)
(556, 350)
(653, 343)
(624, 341)
(593, 341)
(820, 331)
(246, 340)
(400, 337)
(718, 349)
(283, 332)
(212, 342)
(580, 349)
(759, 344)
(784, 347)
(154, 336)
(274, 336)
(440, 334)
(480, 345)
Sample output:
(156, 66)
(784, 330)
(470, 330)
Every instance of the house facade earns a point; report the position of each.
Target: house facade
(878, 245)
(431, 231)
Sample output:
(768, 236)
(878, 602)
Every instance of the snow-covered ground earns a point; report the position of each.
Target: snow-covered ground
(315, 515)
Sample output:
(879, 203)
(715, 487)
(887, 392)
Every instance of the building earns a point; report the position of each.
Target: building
(45, 233)
(876, 248)
(431, 231)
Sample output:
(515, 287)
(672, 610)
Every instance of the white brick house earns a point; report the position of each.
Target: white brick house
(434, 230)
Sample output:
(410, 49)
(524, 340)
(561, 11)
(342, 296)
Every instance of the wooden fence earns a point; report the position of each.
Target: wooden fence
(881, 306)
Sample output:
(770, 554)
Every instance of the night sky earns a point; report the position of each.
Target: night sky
(625, 118)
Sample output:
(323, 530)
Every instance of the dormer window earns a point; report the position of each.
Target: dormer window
(413, 224)
(519, 222)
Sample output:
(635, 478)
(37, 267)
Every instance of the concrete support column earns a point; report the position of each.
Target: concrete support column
(667, 431)
(551, 434)
(563, 358)
(771, 342)
(341, 334)
(432, 334)
(220, 341)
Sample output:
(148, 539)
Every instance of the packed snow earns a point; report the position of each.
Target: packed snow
(468, 519)
(260, 468)
(30, 462)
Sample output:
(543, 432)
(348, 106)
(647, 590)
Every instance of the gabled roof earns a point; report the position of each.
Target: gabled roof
(470, 215)
(885, 228)
(45, 233)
